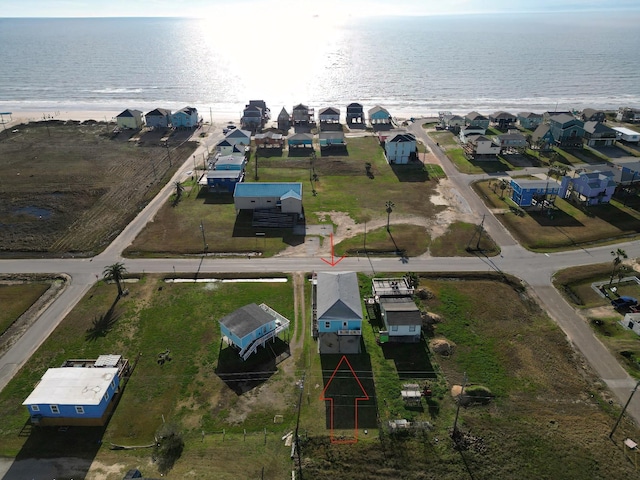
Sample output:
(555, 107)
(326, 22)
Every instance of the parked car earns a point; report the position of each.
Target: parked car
(624, 302)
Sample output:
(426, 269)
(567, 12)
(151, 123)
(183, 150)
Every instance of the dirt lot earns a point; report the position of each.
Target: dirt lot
(69, 188)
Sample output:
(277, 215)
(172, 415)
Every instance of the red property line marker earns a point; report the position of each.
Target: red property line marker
(333, 261)
(323, 397)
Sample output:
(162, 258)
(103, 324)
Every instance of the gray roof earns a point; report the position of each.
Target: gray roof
(540, 132)
(329, 111)
(562, 118)
(529, 115)
(401, 311)
(246, 320)
(159, 112)
(536, 183)
(129, 113)
(598, 127)
(475, 116)
(503, 116)
(338, 296)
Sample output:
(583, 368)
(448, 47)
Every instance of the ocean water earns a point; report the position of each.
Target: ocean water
(410, 65)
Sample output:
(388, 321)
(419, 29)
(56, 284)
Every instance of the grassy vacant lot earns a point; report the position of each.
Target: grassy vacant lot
(549, 417)
(459, 238)
(16, 298)
(205, 387)
(568, 226)
(69, 188)
(575, 284)
(342, 184)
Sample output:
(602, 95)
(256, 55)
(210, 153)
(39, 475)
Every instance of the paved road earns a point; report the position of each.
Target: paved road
(535, 270)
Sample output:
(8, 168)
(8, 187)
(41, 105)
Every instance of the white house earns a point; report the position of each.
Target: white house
(631, 321)
(402, 319)
(481, 146)
(399, 148)
(468, 131)
(627, 135)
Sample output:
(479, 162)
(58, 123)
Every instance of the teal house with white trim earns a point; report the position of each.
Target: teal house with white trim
(252, 326)
(338, 317)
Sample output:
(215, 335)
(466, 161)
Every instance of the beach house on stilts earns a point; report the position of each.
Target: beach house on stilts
(251, 327)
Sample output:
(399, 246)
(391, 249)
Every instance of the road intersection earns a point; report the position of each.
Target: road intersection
(535, 270)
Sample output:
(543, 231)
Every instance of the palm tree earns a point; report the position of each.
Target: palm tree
(618, 256)
(179, 190)
(503, 187)
(389, 206)
(115, 272)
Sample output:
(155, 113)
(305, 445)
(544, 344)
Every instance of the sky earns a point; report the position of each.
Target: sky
(345, 8)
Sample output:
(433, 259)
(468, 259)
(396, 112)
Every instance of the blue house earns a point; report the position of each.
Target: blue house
(529, 120)
(379, 116)
(527, 193)
(589, 188)
(567, 130)
(80, 393)
(331, 139)
(230, 162)
(221, 180)
(477, 120)
(338, 317)
(252, 326)
(185, 118)
(542, 138)
(300, 140)
(158, 118)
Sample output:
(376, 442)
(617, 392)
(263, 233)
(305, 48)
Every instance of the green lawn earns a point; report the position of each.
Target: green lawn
(463, 240)
(445, 138)
(16, 299)
(464, 165)
(567, 226)
(342, 184)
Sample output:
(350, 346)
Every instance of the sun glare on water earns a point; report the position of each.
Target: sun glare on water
(273, 49)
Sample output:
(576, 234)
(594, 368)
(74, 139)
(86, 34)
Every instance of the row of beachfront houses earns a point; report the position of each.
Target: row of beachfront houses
(561, 129)
(256, 114)
(131, 119)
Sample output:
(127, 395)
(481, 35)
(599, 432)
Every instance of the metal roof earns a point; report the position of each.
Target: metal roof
(72, 386)
(264, 189)
(338, 296)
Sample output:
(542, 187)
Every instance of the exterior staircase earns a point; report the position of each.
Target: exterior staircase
(282, 324)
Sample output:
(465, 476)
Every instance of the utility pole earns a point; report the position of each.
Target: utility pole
(205, 247)
(166, 145)
(455, 422)
(480, 230)
(624, 409)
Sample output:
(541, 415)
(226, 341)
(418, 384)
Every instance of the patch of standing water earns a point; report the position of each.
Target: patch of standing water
(34, 212)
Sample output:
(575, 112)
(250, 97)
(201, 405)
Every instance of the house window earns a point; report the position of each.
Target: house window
(55, 409)
(253, 201)
(35, 408)
(394, 328)
(106, 396)
(412, 328)
(344, 324)
(113, 384)
(79, 410)
(327, 325)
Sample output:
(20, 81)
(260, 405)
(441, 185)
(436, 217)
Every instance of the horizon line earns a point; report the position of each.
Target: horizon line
(408, 14)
